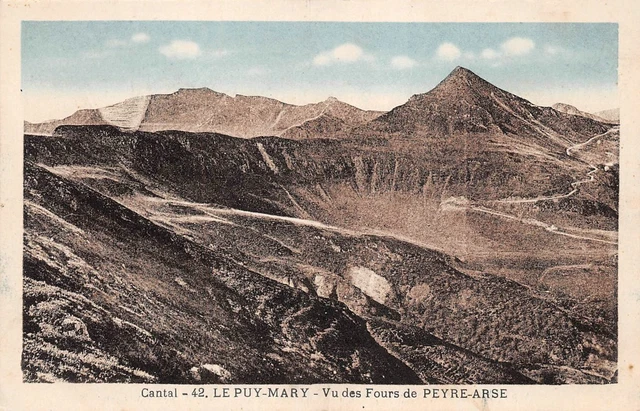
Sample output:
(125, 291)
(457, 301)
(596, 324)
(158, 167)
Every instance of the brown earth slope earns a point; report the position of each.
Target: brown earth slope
(205, 110)
(464, 103)
(252, 212)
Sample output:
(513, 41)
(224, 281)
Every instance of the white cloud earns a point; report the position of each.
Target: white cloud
(448, 52)
(469, 55)
(181, 50)
(322, 59)
(489, 54)
(348, 52)
(344, 53)
(403, 62)
(517, 46)
(137, 38)
(140, 38)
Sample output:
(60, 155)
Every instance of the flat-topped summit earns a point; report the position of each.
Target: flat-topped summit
(200, 91)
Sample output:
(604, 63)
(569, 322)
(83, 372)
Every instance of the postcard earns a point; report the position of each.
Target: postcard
(323, 205)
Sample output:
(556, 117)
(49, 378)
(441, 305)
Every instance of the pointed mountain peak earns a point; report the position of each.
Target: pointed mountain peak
(331, 99)
(461, 74)
(461, 71)
(459, 82)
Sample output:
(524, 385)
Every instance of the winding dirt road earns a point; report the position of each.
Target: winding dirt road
(480, 207)
(579, 146)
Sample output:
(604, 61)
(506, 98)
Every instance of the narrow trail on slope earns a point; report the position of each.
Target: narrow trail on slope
(579, 146)
(480, 207)
(530, 221)
(217, 212)
(574, 185)
(537, 223)
(322, 112)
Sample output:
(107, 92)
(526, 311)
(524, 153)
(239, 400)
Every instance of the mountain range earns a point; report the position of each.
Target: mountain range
(205, 110)
(612, 115)
(466, 236)
(609, 116)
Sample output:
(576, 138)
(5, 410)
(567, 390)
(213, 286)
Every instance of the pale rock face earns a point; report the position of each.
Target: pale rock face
(370, 283)
(267, 159)
(127, 115)
(324, 286)
(210, 370)
(216, 369)
(75, 327)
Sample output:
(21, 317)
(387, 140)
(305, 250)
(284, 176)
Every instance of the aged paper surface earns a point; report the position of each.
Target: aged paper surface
(601, 382)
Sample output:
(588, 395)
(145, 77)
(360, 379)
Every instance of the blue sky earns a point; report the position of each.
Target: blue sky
(68, 65)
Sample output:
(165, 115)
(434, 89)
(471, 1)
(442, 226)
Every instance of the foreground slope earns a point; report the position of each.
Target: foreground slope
(179, 311)
(189, 309)
(252, 212)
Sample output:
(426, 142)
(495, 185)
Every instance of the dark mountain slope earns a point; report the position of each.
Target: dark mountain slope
(201, 168)
(324, 126)
(187, 303)
(395, 187)
(465, 103)
(95, 269)
(225, 196)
